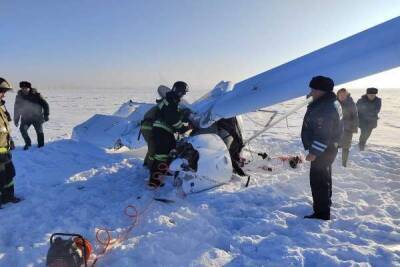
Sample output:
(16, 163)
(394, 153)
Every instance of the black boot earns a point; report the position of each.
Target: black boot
(155, 183)
(40, 139)
(26, 147)
(361, 146)
(7, 196)
(325, 217)
(14, 200)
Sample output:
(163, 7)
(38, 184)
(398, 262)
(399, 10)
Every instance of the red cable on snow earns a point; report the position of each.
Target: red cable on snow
(130, 211)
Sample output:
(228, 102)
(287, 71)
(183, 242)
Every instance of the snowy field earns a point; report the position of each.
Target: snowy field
(75, 187)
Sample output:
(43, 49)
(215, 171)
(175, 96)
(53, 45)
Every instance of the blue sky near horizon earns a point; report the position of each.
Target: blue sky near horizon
(99, 43)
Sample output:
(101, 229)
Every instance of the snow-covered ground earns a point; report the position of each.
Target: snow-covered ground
(75, 187)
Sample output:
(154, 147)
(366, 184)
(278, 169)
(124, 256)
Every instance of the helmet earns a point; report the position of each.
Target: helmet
(25, 84)
(4, 85)
(180, 88)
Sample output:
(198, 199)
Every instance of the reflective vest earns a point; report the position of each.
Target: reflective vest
(4, 131)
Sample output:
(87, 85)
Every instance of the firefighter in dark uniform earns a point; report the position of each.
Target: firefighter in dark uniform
(369, 106)
(168, 121)
(146, 129)
(350, 122)
(7, 170)
(321, 134)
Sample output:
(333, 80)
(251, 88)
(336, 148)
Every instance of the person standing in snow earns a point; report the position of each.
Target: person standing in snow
(321, 133)
(32, 109)
(146, 129)
(369, 106)
(350, 122)
(7, 170)
(168, 121)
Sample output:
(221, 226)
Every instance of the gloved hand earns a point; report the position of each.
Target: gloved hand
(46, 117)
(16, 123)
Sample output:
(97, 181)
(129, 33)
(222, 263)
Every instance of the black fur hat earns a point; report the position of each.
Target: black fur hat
(372, 90)
(25, 84)
(322, 83)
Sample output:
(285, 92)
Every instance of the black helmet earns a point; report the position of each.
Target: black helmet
(4, 85)
(25, 84)
(180, 88)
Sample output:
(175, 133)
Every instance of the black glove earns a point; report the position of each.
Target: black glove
(16, 123)
(46, 117)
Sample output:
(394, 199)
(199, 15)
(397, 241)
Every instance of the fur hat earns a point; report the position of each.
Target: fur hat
(322, 83)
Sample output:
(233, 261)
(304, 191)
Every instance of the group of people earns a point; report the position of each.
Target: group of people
(329, 123)
(363, 115)
(30, 109)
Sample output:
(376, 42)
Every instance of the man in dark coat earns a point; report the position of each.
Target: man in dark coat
(369, 106)
(350, 122)
(167, 122)
(7, 170)
(321, 133)
(32, 109)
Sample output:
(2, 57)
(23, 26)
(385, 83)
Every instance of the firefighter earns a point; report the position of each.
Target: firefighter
(146, 129)
(321, 133)
(7, 170)
(167, 122)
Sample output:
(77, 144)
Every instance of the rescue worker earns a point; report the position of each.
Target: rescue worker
(350, 122)
(168, 121)
(32, 109)
(146, 129)
(321, 132)
(7, 170)
(369, 106)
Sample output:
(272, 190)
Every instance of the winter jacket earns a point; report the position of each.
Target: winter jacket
(368, 111)
(5, 137)
(30, 107)
(168, 116)
(322, 124)
(350, 115)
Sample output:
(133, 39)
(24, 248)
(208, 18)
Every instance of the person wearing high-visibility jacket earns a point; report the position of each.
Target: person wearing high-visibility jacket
(146, 130)
(168, 121)
(7, 170)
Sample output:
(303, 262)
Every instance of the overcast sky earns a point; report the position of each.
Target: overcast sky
(127, 43)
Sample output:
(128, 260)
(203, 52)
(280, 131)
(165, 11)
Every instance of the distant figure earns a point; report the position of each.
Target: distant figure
(369, 106)
(31, 107)
(321, 132)
(167, 121)
(7, 170)
(350, 122)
